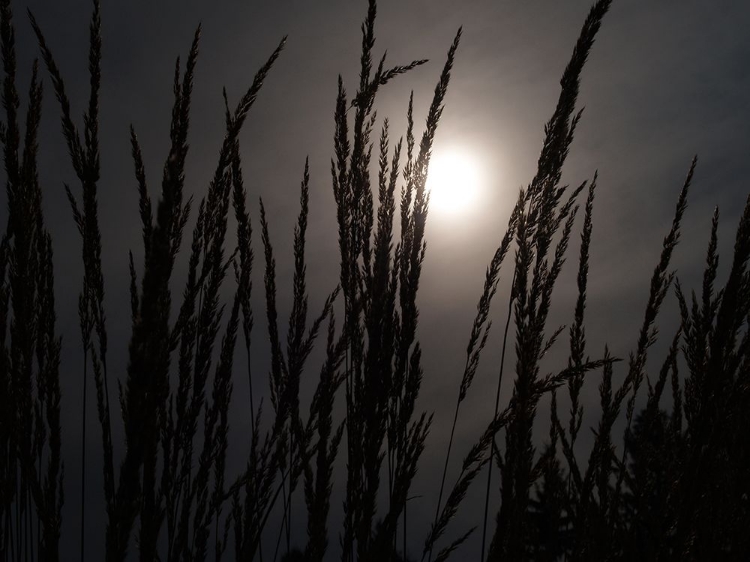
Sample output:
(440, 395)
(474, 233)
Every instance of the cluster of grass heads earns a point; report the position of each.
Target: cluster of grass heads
(172, 497)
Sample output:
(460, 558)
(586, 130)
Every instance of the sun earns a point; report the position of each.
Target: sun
(453, 182)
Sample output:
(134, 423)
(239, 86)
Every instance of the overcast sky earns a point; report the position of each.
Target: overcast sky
(666, 80)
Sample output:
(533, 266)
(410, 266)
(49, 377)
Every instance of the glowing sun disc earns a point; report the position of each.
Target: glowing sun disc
(453, 183)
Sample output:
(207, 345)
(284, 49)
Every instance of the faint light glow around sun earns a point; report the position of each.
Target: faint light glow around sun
(453, 182)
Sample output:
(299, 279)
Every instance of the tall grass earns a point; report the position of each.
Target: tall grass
(175, 496)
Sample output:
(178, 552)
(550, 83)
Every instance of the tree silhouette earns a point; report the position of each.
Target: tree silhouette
(548, 517)
(649, 480)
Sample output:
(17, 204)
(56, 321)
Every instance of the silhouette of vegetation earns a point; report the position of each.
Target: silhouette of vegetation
(676, 489)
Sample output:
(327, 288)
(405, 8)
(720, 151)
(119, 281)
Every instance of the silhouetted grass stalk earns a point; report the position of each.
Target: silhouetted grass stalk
(674, 471)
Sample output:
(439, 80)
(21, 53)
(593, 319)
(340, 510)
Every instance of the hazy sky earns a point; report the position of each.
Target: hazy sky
(665, 80)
